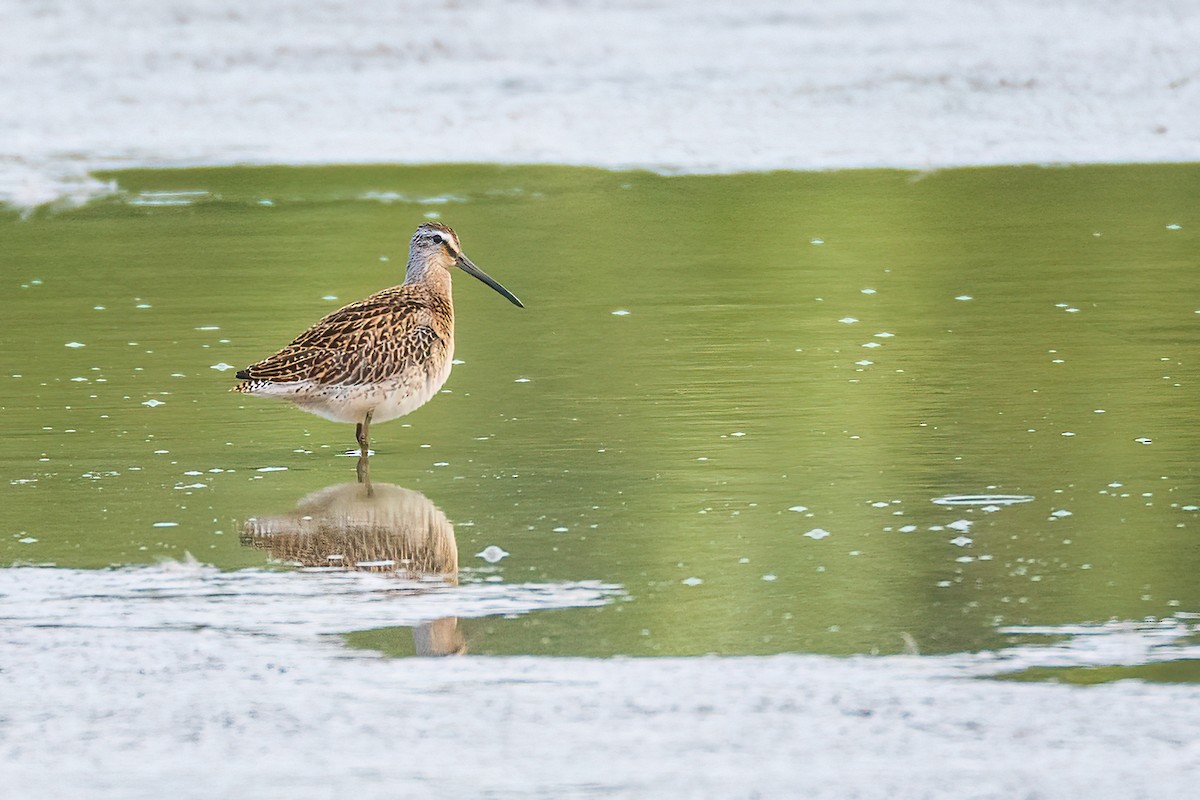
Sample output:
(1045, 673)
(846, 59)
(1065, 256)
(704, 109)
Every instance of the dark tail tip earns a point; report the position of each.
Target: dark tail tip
(242, 375)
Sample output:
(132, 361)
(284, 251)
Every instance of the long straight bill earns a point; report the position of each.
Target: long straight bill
(466, 266)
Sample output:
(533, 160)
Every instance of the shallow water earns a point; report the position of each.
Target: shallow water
(736, 398)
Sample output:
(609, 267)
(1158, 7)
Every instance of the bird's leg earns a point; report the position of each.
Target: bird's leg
(364, 474)
(362, 433)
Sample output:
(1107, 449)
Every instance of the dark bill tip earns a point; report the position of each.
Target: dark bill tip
(466, 266)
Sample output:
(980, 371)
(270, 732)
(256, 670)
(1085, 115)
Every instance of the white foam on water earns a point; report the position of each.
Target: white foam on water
(289, 604)
(159, 673)
(757, 88)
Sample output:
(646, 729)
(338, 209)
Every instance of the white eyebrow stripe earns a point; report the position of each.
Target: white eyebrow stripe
(447, 236)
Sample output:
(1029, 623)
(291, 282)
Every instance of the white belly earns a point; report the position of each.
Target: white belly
(405, 399)
(386, 400)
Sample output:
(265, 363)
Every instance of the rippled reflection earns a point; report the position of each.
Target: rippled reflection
(375, 527)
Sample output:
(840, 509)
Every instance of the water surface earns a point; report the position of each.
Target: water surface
(734, 397)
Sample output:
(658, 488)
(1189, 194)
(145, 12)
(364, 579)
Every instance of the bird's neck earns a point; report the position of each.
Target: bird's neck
(430, 277)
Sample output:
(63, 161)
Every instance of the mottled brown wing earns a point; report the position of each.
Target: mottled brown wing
(387, 316)
(354, 365)
(293, 364)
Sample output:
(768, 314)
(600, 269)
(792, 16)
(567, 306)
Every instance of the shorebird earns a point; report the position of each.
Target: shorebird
(382, 357)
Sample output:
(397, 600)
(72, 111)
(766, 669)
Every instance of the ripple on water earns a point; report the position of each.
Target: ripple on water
(983, 499)
(169, 198)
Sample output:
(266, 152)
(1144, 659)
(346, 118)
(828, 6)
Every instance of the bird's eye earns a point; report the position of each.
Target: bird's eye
(437, 239)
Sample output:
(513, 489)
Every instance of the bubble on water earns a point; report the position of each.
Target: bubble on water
(817, 534)
(621, 312)
(816, 241)
(1174, 227)
(884, 335)
(848, 320)
(521, 380)
(872, 344)
(864, 362)
(867, 291)
(962, 525)
(798, 509)
(75, 344)
(153, 403)
(1062, 512)
(964, 297)
(770, 577)
(27, 540)
(907, 528)
(166, 525)
(561, 529)
(271, 469)
(492, 554)
(961, 541)
(693, 581)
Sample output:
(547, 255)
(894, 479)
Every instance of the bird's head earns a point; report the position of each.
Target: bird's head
(437, 245)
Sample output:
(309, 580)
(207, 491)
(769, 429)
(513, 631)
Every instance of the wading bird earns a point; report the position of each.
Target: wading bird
(382, 357)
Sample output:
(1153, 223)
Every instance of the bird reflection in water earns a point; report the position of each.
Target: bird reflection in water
(373, 527)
